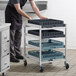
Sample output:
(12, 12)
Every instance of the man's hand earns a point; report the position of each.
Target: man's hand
(36, 10)
(42, 17)
(29, 18)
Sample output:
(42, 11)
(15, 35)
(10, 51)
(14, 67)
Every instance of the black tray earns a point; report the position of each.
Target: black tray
(47, 33)
(48, 22)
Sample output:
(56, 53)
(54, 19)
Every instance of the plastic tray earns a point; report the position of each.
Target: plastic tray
(48, 22)
(47, 33)
(47, 55)
(46, 45)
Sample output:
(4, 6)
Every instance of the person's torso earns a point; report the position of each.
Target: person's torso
(13, 16)
(22, 3)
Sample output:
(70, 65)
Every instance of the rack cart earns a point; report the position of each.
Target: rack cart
(44, 31)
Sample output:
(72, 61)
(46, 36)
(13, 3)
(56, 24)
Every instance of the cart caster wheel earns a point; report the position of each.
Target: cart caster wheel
(67, 66)
(3, 74)
(41, 69)
(25, 63)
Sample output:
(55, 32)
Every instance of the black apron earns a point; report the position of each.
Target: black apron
(13, 17)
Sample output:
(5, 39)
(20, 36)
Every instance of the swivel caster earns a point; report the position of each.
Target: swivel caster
(66, 65)
(41, 69)
(25, 63)
(3, 74)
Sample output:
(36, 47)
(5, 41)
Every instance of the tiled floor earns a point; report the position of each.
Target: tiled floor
(54, 69)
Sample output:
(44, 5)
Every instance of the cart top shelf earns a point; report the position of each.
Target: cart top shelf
(47, 23)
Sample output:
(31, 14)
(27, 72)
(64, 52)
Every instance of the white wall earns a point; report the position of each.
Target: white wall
(64, 10)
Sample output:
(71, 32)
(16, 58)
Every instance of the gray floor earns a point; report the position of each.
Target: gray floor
(54, 69)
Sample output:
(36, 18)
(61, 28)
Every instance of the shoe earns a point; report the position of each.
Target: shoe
(20, 57)
(14, 60)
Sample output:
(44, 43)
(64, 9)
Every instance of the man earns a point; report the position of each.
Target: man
(13, 15)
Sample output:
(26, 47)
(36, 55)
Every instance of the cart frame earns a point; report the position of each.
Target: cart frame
(40, 40)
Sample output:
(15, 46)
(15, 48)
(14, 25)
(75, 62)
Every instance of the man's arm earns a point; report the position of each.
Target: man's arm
(20, 11)
(36, 10)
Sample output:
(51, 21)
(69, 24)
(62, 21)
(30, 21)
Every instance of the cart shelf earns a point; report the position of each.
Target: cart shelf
(47, 33)
(47, 55)
(45, 28)
(48, 23)
(46, 45)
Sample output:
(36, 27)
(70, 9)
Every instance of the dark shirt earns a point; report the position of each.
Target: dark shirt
(11, 14)
(12, 2)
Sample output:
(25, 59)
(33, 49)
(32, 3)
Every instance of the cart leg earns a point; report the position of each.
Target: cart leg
(66, 64)
(3, 74)
(40, 41)
(25, 61)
